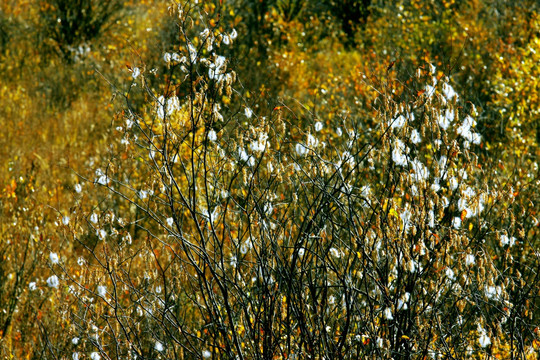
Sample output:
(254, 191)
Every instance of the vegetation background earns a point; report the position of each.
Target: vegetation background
(351, 179)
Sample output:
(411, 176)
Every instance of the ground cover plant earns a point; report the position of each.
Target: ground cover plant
(269, 180)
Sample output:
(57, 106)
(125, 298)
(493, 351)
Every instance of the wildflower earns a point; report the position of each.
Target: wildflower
(78, 188)
(318, 126)
(94, 218)
(80, 261)
(335, 252)
(456, 223)
(226, 39)
(260, 144)
(32, 286)
(54, 258)
(312, 141)
(95, 356)
(445, 202)
(268, 208)
(204, 34)
(167, 57)
(421, 172)
(505, 240)
(175, 57)
(215, 112)
(224, 193)
(192, 53)
(101, 179)
(450, 274)
(234, 261)
(65, 220)
(483, 339)
(301, 251)
(435, 186)
(243, 154)
(469, 260)
(446, 119)
(101, 234)
(75, 340)
(465, 130)
(398, 155)
(248, 112)
(127, 238)
(463, 206)
(212, 136)
(166, 107)
(493, 292)
(398, 122)
(430, 90)
(211, 215)
(75, 356)
(411, 266)
(388, 314)
(159, 346)
(170, 221)
(339, 132)
(346, 158)
(173, 104)
(233, 34)
(401, 305)
(406, 296)
(448, 92)
(406, 219)
(244, 248)
(52, 281)
(136, 72)
(206, 354)
(217, 68)
(102, 290)
(415, 137)
(453, 183)
(301, 149)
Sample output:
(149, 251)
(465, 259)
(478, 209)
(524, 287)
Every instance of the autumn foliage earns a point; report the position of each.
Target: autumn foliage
(273, 179)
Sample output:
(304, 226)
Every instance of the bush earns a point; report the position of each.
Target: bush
(255, 235)
(310, 199)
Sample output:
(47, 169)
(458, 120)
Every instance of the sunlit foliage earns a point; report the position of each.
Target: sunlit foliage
(273, 179)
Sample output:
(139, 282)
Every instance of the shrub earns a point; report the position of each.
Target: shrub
(256, 235)
(321, 201)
